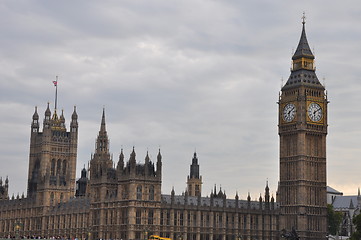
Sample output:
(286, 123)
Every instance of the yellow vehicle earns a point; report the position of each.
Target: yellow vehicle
(156, 237)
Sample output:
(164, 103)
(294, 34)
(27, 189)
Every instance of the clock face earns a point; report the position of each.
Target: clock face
(289, 112)
(314, 112)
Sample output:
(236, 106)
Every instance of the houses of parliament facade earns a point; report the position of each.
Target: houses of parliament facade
(123, 199)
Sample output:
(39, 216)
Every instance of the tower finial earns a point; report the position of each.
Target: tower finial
(304, 18)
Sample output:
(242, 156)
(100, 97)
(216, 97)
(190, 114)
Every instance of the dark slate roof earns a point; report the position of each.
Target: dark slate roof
(333, 191)
(79, 204)
(17, 203)
(303, 49)
(303, 77)
(343, 202)
(206, 201)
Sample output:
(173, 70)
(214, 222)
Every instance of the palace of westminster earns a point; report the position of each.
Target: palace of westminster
(126, 201)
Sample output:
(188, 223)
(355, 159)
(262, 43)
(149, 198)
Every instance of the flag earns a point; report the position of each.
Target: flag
(55, 83)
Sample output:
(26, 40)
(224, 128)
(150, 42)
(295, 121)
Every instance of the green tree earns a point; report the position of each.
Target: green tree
(334, 220)
(357, 222)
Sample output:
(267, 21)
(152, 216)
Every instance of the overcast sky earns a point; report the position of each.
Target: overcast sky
(180, 75)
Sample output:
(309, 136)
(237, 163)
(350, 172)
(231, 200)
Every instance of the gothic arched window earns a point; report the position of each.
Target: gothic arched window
(58, 167)
(139, 192)
(64, 167)
(138, 216)
(52, 167)
(151, 193)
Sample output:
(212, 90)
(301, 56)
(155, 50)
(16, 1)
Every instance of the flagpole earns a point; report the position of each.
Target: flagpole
(56, 92)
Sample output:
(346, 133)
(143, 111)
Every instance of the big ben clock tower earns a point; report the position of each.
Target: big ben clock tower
(302, 130)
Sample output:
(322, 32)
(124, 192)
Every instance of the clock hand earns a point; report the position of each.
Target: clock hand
(314, 112)
(291, 110)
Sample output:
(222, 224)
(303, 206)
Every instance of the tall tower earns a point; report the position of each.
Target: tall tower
(194, 180)
(102, 183)
(52, 159)
(302, 130)
(101, 166)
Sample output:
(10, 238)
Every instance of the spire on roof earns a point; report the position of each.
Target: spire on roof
(159, 156)
(132, 159)
(194, 168)
(120, 165)
(74, 121)
(35, 122)
(303, 65)
(121, 156)
(159, 164)
(47, 112)
(62, 119)
(74, 116)
(147, 158)
(102, 126)
(36, 115)
(267, 188)
(195, 159)
(62, 115)
(303, 49)
(83, 172)
(102, 143)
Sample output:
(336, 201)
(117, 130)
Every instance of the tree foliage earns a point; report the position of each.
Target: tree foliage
(334, 220)
(357, 222)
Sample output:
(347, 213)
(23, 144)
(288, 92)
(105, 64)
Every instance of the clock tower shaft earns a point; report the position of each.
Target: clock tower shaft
(302, 185)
